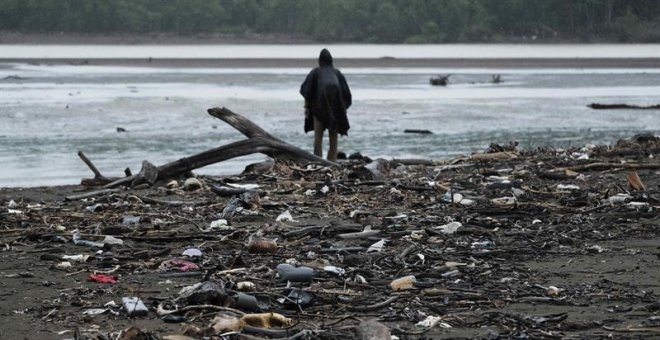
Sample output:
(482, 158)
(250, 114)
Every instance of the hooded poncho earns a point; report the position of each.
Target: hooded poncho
(327, 96)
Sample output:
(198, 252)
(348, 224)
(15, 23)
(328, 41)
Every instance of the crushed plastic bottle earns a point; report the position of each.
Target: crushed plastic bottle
(287, 272)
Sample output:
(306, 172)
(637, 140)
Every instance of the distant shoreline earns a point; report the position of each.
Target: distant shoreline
(507, 63)
(150, 38)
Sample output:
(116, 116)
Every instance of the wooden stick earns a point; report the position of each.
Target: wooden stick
(162, 311)
(90, 165)
(605, 166)
(90, 194)
(98, 179)
(375, 306)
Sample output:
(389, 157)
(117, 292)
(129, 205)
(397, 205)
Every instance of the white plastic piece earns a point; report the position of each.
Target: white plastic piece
(334, 270)
(432, 321)
(285, 217)
(377, 247)
(248, 186)
(134, 306)
(567, 187)
(449, 228)
(112, 240)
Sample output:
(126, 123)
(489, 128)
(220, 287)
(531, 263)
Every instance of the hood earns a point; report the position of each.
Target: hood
(325, 58)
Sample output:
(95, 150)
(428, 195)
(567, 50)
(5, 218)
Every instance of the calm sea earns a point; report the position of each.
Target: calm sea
(49, 112)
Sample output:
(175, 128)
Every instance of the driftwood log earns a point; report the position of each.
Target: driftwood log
(598, 106)
(258, 141)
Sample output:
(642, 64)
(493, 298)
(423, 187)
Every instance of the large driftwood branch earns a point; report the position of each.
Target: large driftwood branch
(98, 179)
(259, 141)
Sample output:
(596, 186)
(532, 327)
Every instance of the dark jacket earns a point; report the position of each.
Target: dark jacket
(327, 96)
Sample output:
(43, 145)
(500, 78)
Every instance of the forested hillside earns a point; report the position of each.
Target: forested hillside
(408, 21)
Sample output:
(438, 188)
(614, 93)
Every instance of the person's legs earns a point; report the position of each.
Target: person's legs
(332, 151)
(318, 138)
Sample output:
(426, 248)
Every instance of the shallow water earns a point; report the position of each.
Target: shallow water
(51, 112)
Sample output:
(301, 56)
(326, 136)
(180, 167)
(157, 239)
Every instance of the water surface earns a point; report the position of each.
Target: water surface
(49, 112)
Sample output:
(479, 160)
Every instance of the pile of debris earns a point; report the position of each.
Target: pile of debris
(372, 249)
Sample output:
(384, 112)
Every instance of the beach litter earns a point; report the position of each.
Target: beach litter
(471, 247)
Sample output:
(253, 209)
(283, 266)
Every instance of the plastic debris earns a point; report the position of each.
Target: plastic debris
(64, 265)
(504, 201)
(95, 208)
(102, 278)
(177, 265)
(567, 187)
(112, 240)
(377, 247)
(287, 272)
(448, 197)
(95, 311)
(449, 228)
(130, 220)
(191, 184)
(133, 306)
(296, 297)
(192, 252)
(204, 293)
(246, 286)
(334, 270)
(79, 241)
(248, 186)
(403, 283)
(247, 302)
(619, 198)
(76, 258)
(432, 321)
(285, 217)
(220, 224)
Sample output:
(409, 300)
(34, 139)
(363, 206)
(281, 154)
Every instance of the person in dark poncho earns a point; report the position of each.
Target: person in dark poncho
(327, 97)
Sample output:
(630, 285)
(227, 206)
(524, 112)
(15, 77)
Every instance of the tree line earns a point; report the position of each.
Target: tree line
(375, 21)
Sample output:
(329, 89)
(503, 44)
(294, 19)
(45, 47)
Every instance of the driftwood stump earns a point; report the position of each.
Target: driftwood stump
(259, 141)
